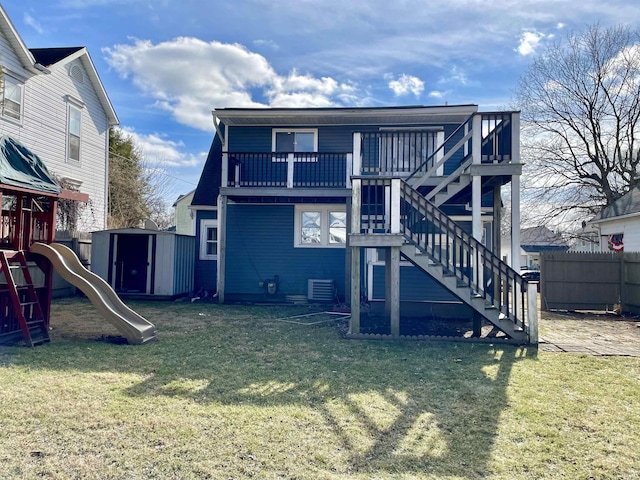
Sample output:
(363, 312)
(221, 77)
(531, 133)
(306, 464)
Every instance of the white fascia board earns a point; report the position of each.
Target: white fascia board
(228, 115)
(614, 219)
(19, 47)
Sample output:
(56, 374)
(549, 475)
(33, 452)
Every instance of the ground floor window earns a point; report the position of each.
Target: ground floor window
(319, 225)
(209, 240)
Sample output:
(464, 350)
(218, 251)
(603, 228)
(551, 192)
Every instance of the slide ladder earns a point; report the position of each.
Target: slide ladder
(134, 327)
(24, 298)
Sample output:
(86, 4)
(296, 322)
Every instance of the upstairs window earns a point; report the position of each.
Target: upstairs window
(296, 140)
(74, 127)
(12, 93)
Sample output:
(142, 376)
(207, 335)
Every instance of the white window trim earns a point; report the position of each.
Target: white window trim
(77, 105)
(204, 225)
(324, 210)
(20, 82)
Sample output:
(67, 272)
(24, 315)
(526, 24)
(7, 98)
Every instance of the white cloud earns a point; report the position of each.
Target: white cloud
(33, 23)
(406, 84)
(267, 44)
(189, 77)
(529, 41)
(436, 94)
(159, 151)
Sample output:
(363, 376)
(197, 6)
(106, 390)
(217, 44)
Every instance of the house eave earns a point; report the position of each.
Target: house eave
(345, 116)
(613, 219)
(11, 34)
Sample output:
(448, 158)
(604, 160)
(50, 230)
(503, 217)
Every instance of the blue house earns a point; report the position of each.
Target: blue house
(394, 208)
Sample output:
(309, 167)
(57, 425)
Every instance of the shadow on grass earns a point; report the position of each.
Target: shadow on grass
(394, 407)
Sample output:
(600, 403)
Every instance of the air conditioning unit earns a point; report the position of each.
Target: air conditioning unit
(321, 290)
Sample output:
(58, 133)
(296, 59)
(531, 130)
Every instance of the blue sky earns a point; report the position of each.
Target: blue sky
(166, 64)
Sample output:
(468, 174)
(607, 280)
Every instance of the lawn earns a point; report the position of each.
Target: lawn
(231, 392)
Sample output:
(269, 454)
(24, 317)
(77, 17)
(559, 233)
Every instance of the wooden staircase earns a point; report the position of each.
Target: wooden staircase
(433, 242)
(24, 298)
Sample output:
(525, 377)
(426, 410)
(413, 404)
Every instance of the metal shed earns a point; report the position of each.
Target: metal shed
(139, 262)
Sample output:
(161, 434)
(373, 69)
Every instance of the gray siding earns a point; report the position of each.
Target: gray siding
(44, 126)
(262, 239)
(183, 268)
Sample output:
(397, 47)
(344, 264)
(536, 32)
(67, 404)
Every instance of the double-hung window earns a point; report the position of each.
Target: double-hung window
(320, 226)
(209, 240)
(12, 98)
(74, 130)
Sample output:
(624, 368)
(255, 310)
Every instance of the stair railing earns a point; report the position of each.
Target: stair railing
(461, 255)
(495, 146)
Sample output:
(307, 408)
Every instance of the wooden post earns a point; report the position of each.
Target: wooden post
(532, 312)
(224, 173)
(222, 246)
(354, 322)
(395, 290)
(515, 193)
(356, 204)
(477, 325)
(357, 154)
(290, 169)
(395, 206)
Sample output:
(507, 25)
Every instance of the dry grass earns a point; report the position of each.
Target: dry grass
(228, 392)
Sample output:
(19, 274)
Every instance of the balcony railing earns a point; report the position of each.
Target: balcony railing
(289, 170)
(405, 153)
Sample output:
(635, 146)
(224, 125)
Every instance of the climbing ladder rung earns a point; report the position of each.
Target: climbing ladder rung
(38, 321)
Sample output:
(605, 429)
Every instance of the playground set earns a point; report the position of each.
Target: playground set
(29, 197)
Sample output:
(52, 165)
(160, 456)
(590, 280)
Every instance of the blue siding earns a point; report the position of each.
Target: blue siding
(249, 139)
(456, 159)
(260, 242)
(205, 271)
(415, 286)
(338, 139)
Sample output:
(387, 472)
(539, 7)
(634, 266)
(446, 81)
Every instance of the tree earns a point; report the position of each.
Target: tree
(136, 191)
(580, 103)
(127, 184)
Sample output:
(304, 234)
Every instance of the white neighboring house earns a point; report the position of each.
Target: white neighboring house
(619, 224)
(54, 103)
(184, 217)
(586, 240)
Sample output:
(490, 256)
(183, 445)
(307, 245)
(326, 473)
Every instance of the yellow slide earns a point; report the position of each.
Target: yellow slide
(134, 327)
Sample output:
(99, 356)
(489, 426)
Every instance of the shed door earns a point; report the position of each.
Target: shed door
(132, 263)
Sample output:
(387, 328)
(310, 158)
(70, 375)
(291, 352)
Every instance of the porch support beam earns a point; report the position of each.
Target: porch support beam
(515, 193)
(354, 322)
(222, 246)
(395, 205)
(532, 312)
(354, 221)
(224, 171)
(357, 154)
(393, 295)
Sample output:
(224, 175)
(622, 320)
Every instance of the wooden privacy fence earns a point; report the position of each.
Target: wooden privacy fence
(590, 281)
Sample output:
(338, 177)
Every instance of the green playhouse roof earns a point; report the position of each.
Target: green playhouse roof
(20, 167)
